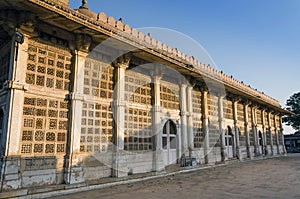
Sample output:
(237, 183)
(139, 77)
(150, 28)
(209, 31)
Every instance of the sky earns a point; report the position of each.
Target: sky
(255, 41)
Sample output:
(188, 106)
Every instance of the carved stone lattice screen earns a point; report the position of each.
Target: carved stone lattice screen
(138, 123)
(45, 110)
(212, 102)
(169, 96)
(259, 116)
(48, 66)
(240, 113)
(228, 109)
(45, 126)
(250, 127)
(241, 122)
(266, 119)
(97, 116)
(268, 134)
(197, 121)
(96, 127)
(213, 125)
(4, 62)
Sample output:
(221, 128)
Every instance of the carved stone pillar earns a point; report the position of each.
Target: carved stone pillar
(156, 125)
(254, 129)
(119, 116)
(15, 87)
(224, 154)
(265, 147)
(190, 117)
(271, 135)
(276, 134)
(236, 129)
(183, 118)
(282, 136)
(77, 98)
(246, 123)
(205, 125)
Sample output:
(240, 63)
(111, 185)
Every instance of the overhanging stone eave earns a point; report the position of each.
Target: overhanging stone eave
(105, 29)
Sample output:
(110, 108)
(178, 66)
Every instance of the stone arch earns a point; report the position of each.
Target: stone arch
(229, 142)
(260, 141)
(170, 142)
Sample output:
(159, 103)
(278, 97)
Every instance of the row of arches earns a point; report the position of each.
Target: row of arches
(170, 142)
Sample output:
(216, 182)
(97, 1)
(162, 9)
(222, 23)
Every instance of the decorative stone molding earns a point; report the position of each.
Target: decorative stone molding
(16, 85)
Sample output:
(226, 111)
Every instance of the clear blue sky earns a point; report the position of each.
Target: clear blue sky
(256, 41)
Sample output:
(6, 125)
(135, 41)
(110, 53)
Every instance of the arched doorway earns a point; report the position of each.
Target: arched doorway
(260, 142)
(169, 141)
(229, 142)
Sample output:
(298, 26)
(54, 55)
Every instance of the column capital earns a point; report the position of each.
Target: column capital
(203, 89)
(236, 99)
(80, 53)
(122, 61)
(247, 103)
(83, 42)
(221, 95)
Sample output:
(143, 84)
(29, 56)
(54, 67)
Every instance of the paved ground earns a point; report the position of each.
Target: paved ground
(272, 178)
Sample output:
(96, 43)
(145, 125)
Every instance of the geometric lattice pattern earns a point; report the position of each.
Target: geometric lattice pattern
(137, 89)
(138, 131)
(45, 126)
(138, 124)
(212, 102)
(97, 115)
(169, 97)
(240, 112)
(259, 116)
(98, 79)
(96, 127)
(228, 109)
(48, 66)
(197, 121)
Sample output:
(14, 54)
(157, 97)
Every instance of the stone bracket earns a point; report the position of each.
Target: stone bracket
(16, 85)
(77, 96)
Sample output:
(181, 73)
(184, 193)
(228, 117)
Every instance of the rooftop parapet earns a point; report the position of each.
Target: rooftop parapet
(147, 41)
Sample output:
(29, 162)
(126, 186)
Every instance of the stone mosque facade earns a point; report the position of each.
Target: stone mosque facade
(73, 112)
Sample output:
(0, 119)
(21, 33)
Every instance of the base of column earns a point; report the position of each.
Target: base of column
(224, 155)
(74, 172)
(158, 163)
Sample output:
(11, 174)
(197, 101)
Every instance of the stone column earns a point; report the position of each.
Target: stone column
(16, 88)
(224, 154)
(271, 135)
(276, 134)
(236, 129)
(246, 123)
(183, 118)
(119, 159)
(205, 125)
(254, 129)
(282, 136)
(73, 172)
(190, 117)
(156, 125)
(265, 147)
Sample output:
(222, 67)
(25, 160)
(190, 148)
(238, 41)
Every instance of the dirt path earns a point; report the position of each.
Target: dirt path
(272, 178)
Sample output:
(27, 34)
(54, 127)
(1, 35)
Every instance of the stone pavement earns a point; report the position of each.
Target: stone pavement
(270, 178)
